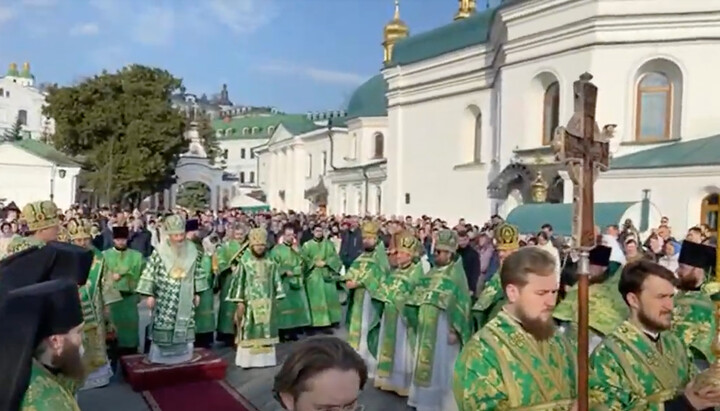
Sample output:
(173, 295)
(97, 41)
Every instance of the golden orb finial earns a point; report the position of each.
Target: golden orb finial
(395, 30)
(466, 9)
(539, 189)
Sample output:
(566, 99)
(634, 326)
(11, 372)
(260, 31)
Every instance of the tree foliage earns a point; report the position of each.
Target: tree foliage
(124, 126)
(14, 133)
(193, 195)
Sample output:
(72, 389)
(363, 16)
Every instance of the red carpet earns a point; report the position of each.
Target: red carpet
(142, 375)
(194, 396)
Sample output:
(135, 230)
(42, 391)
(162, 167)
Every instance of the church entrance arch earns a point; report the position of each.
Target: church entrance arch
(195, 170)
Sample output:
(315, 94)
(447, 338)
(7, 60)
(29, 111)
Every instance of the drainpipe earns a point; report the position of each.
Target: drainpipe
(645, 211)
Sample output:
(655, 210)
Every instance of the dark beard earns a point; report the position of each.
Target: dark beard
(318, 239)
(70, 364)
(542, 330)
(123, 248)
(258, 254)
(650, 324)
(599, 278)
(688, 283)
(369, 249)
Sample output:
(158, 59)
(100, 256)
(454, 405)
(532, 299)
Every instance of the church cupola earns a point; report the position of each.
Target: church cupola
(395, 30)
(13, 70)
(25, 73)
(466, 9)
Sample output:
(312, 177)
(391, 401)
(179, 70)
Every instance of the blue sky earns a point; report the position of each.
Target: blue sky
(297, 55)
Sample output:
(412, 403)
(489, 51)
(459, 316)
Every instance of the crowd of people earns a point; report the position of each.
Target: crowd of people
(451, 316)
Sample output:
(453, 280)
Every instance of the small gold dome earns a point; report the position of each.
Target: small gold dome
(396, 28)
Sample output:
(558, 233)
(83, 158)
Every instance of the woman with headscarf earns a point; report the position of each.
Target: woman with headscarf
(670, 259)
(543, 241)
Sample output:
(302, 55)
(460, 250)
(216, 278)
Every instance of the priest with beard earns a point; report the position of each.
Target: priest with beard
(255, 288)
(643, 364)
(322, 275)
(606, 306)
(122, 269)
(367, 273)
(173, 280)
(41, 348)
(519, 360)
(694, 312)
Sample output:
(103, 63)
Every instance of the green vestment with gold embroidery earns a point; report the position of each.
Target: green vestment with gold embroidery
(321, 283)
(47, 392)
(293, 310)
(226, 261)
(94, 296)
(19, 243)
(442, 289)
(257, 285)
(370, 272)
(694, 320)
(124, 317)
(628, 371)
(489, 303)
(503, 367)
(607, 308)
(205, 311)
(396, 290)
(173, 278)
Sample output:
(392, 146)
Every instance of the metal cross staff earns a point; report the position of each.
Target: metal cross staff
(583, 148)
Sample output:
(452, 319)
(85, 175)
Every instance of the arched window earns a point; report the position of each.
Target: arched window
(709, 211)
(246, 130)
(271, 129)
(379, 146)
(654, 107)
(255, 130)
(477, 139)
(551, 111)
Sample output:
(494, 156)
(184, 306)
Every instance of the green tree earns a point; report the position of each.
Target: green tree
(209, 138)
(14, 133)
(193, 195)
(124, 127)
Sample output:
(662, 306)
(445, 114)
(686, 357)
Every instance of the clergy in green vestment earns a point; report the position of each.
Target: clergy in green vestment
(395, 347)
(439, 314)
(41, 347)
(694, 312)
(519, 360)
(606, 307)
(642, 365)
(43, 225)
(492, 298)
(322, 268)
(123, 267)
(173, 280)
(255, 289)
(205, 311)
(95, 294)
(226, 261)
(293, 310)
(363, 279)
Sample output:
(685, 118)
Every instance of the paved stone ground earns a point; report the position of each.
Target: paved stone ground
(254, 384)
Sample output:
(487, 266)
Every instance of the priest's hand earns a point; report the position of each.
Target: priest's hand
(239, 313)
(452, 338)
(351, 285)
(150, 302)
(319, 263)
(196, 300)
(703, 398)
(116, 277)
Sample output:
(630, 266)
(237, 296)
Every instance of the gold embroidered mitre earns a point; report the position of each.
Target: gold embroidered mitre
(507, 237)
(40, 215)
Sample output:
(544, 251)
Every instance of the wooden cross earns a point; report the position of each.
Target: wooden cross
(585, 150)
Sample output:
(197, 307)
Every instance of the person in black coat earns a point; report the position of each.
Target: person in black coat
(470, 260)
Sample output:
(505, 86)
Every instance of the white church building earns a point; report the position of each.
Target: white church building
(21, 100)
(459, 121)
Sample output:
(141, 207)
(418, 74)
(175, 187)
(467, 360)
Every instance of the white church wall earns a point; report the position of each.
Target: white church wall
(677, 193)
(15, 97)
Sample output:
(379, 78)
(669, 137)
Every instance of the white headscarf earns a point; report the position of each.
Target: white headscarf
(616, 254)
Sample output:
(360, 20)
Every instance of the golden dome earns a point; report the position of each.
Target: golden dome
(396, 28)
(467, 8)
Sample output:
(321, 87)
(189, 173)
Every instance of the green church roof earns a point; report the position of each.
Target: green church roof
(369, 100)
(47, 152)
(455, 36)
(258, 127)
(699, 152)
(529, 217)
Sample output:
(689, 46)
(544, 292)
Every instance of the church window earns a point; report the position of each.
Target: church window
(654, 107)
(271, 129)
(709, 211)
(252, 177)
(477, 139)
(2, 92)
(22, 117)
(218, 133)
(246, 130)
(252, 153)
(255, 130)
(379, 146)
(242, 177)
(353, 146)
(378, 206)
(551, 111)
(229, 132)
(242, 153)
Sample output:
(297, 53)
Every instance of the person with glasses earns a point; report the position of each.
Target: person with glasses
(323, 373)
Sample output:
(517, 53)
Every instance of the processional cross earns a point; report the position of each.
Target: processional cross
(584, 149)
